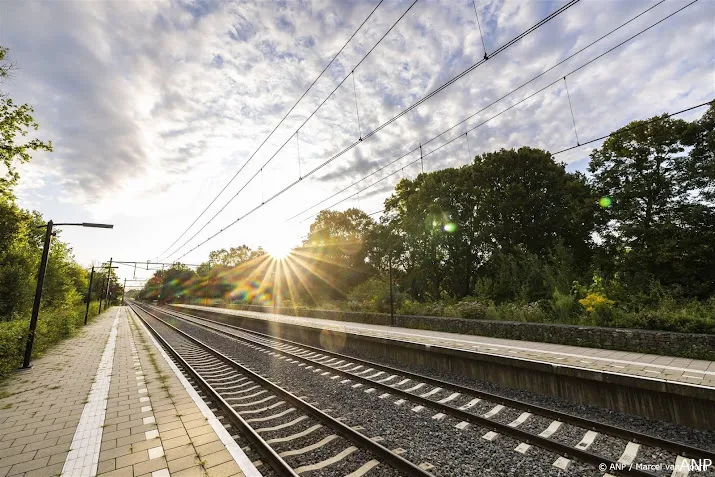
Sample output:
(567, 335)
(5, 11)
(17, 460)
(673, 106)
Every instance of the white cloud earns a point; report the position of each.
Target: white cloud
(153, 106)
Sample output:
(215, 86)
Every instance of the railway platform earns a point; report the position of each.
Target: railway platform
(110, 402)
(667, 368)
(679, 390)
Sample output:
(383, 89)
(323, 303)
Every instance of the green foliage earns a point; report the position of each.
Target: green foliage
(372, 295)
(660, 226)
(235, 256)
(53, 325)
(468, 308)
(12, 344)
(512, 236)
(15, 123)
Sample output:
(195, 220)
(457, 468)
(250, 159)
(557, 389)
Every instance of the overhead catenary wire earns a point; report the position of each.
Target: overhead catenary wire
(615, 133)
(274, 129)
(445, 85)
(357, 110)
(298, 129)
(510, 93)
(297, 145)
(573, 118)
(479, 25)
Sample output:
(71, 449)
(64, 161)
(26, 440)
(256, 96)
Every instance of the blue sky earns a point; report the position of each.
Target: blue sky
(153, 106)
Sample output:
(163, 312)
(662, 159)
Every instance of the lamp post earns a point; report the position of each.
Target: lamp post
(89, 295)
(41, 281)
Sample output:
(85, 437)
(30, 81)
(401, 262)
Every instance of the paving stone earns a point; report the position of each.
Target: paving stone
(217, 458)
(131, 459)
(227, 469)
(149, 466)
(29, 465)
(182, 463)
(125, 472)
(195, 471)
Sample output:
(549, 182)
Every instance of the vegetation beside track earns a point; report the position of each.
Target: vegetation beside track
(511, 236)
(21, 241)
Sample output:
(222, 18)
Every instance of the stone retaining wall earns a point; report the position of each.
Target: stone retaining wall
(691, 345)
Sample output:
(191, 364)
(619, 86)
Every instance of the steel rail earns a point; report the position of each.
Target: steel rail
(603, 428)
(399, 463)
(275, 461)
(520, 435)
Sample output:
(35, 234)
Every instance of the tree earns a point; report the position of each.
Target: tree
(701, 166)
(526, 199)
(15, 122)
(431, 233)
(235, 256)
(659, 209)
(333, 257)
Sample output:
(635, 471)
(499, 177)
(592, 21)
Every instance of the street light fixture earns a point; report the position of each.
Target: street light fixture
(41, 280)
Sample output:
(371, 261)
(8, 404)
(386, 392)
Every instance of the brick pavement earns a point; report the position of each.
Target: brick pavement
(151, 427)
(43, 406)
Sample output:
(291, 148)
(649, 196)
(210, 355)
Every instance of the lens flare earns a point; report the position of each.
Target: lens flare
(450, 227)
(605, 202)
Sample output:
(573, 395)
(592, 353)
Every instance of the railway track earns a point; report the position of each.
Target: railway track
(276, 422)
(530, 426)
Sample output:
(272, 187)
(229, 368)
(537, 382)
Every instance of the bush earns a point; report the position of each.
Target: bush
(12, 344)
(53, 325)
(687, 317)
(410, 307)
(530, 313)
(469, 309)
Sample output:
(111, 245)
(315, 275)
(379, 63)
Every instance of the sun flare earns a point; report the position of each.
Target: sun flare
(278, 247)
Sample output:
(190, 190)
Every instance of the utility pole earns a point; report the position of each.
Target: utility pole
(105, 286)
(124, 290)
(38, 295)
(109, 282)
(101, 295)
(392, 298)
(89, 295)
(208, 285)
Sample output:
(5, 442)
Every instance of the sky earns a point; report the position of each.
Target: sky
(153, 106)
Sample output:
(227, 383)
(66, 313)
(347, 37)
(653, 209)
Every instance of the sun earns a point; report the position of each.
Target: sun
(278, 246)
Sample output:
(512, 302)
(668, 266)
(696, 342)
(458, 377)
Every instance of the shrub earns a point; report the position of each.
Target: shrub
(595, 301)
(469, 309)
(531, 313)
(12, 344)
(53, 325)
(371, 295)
(409, 307)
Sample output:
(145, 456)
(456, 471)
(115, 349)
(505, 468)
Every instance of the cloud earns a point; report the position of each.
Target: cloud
(155, 105)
